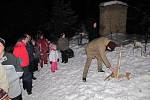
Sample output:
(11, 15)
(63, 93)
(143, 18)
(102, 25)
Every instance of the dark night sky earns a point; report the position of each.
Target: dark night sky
(12, 10)
(82, 7)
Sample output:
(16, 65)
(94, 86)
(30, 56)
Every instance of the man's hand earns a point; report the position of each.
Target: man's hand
(114, 71)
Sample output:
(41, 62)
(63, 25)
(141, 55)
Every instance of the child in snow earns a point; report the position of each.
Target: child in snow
(53, 57)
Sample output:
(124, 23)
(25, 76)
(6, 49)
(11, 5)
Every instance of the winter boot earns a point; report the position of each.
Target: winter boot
(101, 70)
(84, 79)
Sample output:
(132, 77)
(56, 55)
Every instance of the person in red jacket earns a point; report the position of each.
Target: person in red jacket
(43, 45)
(21, 53)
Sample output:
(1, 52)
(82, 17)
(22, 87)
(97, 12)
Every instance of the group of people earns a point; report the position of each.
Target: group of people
(29, 53)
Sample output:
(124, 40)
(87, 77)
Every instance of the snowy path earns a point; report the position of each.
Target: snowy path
(66, 83)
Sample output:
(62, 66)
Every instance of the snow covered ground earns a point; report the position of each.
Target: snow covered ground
(67, 84)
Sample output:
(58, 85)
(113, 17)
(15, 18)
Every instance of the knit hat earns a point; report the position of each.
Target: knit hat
(2, 41)
(111, 46)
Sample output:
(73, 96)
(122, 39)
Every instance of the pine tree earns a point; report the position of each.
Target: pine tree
(63, 18)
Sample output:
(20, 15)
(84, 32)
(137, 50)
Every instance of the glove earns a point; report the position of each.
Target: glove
(113, 69)
(50, 62)
(57, 60)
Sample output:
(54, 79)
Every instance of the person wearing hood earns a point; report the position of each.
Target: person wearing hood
(98, 48)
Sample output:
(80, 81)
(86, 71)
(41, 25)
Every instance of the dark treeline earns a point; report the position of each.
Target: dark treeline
(57, 16)
(50, 16)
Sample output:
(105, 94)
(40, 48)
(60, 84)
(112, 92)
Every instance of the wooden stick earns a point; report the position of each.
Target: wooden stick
(116, 74)
(108, 77)
(118, 64)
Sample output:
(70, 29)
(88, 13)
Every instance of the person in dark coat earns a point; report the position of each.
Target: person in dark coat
(93, 34)
(63, 46)
(31, 51)
(36, 55)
